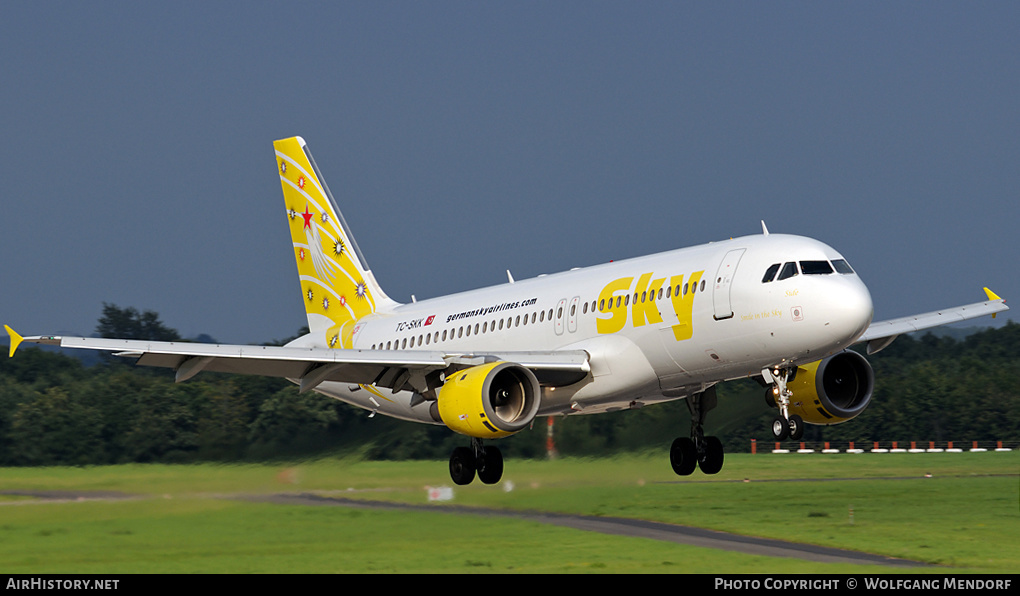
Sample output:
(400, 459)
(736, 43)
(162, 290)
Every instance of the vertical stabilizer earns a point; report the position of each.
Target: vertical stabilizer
(337, 286)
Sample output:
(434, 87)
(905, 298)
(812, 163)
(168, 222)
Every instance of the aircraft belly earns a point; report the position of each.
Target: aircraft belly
(377, 400)
(630, 377)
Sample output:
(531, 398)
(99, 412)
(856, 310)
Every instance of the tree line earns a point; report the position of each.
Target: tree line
(55, 410)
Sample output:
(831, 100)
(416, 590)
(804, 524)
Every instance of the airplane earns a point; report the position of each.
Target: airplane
(485, 363)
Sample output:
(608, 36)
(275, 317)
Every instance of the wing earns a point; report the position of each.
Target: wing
(879, 335)
(395, 369)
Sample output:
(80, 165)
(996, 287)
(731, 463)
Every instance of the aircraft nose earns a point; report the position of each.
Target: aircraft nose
(851, 309)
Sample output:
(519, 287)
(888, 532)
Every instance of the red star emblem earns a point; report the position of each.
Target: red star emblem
(301, 181)
(308, 217)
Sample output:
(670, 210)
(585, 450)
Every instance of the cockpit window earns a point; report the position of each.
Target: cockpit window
(842, 266)
(770, 273)
(815, 267)
(789, 270)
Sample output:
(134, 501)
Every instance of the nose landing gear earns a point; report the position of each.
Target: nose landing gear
(778, 396)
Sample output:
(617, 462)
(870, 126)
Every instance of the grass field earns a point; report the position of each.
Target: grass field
(958, 511)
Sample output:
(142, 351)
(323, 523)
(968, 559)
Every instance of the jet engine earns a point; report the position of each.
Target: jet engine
(488, 401)
(832, 390)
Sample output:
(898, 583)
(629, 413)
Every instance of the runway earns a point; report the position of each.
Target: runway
(624, 527)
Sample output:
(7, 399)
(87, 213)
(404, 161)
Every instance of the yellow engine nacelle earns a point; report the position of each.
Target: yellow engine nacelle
(488, 401)
(832, 390)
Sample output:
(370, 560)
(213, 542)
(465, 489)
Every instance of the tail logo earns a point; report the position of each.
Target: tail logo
(337, 286)
(325, 268)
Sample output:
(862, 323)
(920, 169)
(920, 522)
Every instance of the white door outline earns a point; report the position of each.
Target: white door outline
(572, 314)
(723, 280)
(560, 308)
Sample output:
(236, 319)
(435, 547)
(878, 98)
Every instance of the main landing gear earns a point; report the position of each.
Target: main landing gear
(465, 461)
(778, 396)
(698, 450)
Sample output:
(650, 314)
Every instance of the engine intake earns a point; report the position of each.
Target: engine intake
(488, 401)
(832, 390)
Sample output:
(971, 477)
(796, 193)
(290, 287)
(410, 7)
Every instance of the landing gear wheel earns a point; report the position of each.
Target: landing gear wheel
(462, 465)
(780, 428)
(796, 424)
(490, 465)
(711, 459)
(683, 456)
(783, 425)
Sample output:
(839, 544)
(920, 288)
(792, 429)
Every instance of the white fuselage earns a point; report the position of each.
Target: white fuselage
(647, 341)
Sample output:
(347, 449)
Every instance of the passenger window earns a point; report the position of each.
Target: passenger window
(815, 267)
(842, 266)
(702, 288)
(770, 273)
(789, 270)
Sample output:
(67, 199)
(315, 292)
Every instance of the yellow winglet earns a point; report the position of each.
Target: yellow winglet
(15, 340)
(992, 296)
